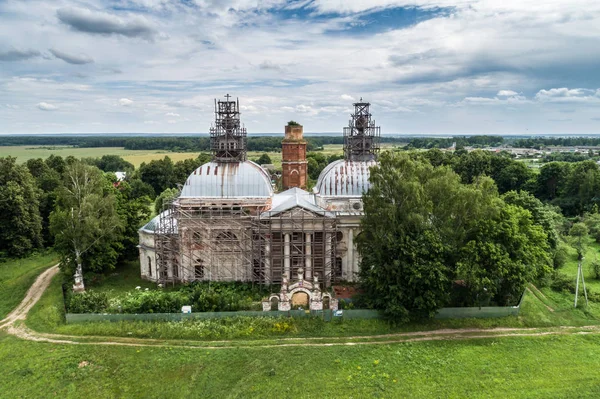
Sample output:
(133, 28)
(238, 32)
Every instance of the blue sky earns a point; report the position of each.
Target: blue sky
(427, 66)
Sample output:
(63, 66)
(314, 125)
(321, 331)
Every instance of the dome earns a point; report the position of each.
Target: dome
(169, 224)
(228, 180)
(345, 178)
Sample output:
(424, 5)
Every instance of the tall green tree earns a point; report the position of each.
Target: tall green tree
(168, 195)
(423, 229)
(159, 173)
(20, 221)
(86, 225)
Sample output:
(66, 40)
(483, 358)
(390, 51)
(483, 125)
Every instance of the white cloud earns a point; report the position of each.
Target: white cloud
(173, 114)
(507, 93)
(125, 102)
(44, 106)
(347, 97)
(566, 95)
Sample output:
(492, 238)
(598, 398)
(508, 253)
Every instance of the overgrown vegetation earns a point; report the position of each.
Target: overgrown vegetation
(202, 296)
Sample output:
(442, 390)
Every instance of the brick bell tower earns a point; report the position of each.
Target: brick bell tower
(293, 154)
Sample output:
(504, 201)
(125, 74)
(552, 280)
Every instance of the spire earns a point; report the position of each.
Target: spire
(361, 137)
(227, 135)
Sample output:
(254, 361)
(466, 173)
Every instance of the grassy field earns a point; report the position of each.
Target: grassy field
(16, 276)
(136, 157)
(524, 367)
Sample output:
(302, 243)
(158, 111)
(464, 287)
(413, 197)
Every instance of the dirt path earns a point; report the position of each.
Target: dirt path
(14, 325)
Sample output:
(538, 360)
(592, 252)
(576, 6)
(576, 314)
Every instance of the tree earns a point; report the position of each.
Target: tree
(166, 196)
(47, 180)
(551, 180)
(111, 163)
(577, 235)
(20, 222)
(264, 159)
(423, 229)
(134, 212)
(140, 189)
(85, 224)
(160, 174)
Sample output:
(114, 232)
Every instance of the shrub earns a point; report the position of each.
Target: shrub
(595, 269)
(560, 256)
(561, 282)
(87, 302)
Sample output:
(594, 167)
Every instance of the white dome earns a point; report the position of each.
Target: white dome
(345, 178)
(228, 180)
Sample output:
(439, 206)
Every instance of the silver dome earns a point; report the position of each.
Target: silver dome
(345, 178)
(228, 180)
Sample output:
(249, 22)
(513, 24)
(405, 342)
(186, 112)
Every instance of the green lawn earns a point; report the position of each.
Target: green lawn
(523, 367)
(16, 276)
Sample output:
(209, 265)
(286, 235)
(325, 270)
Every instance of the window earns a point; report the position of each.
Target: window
(149, 266)
(199, 269)
(337, 269)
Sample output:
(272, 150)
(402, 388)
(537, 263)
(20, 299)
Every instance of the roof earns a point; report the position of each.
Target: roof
(295, 198)
(228, 180)
(168, 223)
(345, 178)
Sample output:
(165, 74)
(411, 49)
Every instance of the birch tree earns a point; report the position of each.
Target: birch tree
(85, 220)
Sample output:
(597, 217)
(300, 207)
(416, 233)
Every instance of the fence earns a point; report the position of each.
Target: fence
(327, 315)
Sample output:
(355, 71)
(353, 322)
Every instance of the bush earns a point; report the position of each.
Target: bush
(560, 256)
(562, 283)
(203, 297)
(595, 269)
(87, 302)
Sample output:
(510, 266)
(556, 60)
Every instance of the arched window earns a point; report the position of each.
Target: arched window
(149, 266)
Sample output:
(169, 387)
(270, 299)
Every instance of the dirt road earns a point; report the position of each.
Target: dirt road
(14, 325)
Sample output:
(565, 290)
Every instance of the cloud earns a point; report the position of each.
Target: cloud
(507, 93)
(47, 106)
(18, 55)
(347, 97)
(97, 22)
(125, 102)
(269, 65)
(74, 59)
(172, 114)
(566, 95)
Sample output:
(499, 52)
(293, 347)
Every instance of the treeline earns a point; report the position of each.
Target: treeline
(461, 141)
(175, 144)
(539, 142)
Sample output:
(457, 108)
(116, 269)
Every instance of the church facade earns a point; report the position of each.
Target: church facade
(229, 224)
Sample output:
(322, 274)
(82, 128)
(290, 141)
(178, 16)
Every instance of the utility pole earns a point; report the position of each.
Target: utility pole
(580, 273)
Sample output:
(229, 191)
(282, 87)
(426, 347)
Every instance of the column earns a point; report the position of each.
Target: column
(351, 263)
(328, 259)
(286, 256)
(308, 258)
(267, 260)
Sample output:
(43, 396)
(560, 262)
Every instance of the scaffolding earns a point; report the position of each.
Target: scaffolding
(197, 241)
(361, 136)
(296, 239)
(227, 135)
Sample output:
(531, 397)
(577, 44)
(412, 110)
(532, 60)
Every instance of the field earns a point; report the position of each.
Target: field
(560, 365)
(550, 367)
(16, 276)
(136, 157)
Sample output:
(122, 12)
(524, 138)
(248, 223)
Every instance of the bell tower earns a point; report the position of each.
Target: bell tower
(293, 154)
(361, 137)
(227, 135)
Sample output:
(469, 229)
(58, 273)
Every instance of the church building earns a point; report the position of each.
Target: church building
(229, 224)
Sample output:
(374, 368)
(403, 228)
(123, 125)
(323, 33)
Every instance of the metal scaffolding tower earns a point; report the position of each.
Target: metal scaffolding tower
(361, 136)
(227, 135)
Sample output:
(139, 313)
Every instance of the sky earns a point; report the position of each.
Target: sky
(426, 66)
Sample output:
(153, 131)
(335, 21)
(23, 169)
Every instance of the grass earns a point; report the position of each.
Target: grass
(16, 276)
(136, 157)
(524, 367)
